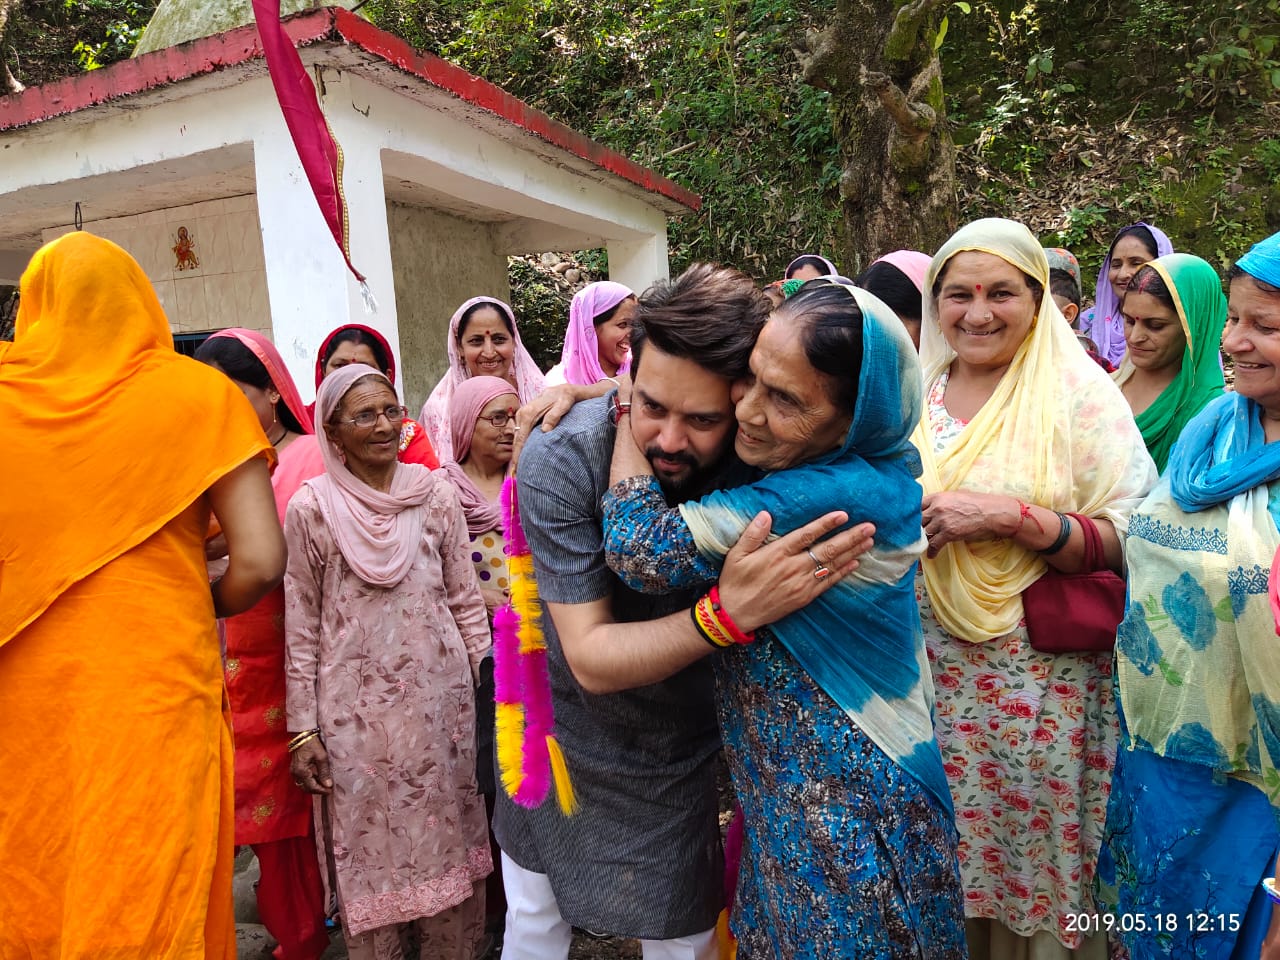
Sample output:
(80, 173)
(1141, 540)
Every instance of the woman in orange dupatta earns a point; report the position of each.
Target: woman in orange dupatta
(116, 825)
(273, 814)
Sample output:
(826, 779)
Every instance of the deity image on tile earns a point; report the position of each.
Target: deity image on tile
(185, 251)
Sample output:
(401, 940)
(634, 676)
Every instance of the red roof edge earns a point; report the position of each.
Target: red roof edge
(485, 95)
(151, 70)
(210, 54)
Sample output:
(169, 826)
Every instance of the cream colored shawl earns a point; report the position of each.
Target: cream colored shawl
(1056, 432)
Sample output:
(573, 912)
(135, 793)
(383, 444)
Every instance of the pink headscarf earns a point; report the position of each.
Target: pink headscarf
(912, 263)
(468, 402)
(302, 459)
(580, 358)
(378, 533)
(269, 357)
(435, 412)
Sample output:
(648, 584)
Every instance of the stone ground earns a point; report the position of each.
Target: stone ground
(254, 943)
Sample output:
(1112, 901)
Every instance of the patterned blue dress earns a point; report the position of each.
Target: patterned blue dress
(844, 854)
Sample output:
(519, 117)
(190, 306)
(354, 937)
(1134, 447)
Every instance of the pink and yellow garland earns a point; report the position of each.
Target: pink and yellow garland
(529, 757)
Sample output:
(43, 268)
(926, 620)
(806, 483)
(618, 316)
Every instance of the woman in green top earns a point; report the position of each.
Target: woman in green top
(1174, 312)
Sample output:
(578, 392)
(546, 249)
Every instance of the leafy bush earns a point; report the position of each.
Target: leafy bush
(708, 95)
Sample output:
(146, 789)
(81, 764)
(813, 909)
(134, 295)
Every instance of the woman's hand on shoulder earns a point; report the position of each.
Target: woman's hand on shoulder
(761, 583)
(547, 408)
(952, 515)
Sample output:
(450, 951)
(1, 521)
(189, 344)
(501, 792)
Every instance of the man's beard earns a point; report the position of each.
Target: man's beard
(692, 484)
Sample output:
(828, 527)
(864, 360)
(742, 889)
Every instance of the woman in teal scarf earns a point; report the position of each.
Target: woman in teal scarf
(1191, 821)
(1173, 312)
(850, 842)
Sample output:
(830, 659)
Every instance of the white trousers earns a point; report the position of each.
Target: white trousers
(536, 931)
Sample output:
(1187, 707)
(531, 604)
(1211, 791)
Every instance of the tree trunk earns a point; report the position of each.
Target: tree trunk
(8, 82)
(878, 59)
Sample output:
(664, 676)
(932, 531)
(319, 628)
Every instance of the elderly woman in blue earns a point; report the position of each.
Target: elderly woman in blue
(850, 843)
(1191, 823)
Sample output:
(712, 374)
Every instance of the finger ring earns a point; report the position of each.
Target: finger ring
(820, 571)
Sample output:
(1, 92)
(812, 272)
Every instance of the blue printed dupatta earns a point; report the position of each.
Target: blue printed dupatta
(1197, 656)
(861, 640)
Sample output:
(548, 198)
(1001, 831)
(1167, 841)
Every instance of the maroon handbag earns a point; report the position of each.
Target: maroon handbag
(1076, 612)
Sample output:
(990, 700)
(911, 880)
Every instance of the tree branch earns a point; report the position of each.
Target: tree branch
(905, 32)
(7, 8)
(819, 58)
(914, 120)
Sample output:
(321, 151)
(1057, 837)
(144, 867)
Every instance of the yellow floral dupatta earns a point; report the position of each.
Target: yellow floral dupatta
(1056, 432)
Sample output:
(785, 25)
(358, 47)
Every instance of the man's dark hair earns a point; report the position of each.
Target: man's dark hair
(894, 287)
(830, 324)
(1062, 284)
(709, 314)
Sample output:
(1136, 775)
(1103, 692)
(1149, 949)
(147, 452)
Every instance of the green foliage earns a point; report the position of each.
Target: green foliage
(1076, 118)
(56, 38)
(709, 95)
(1267, 156)
(543, 311)
(1241, 58)
(1080, 223)
(126, 19)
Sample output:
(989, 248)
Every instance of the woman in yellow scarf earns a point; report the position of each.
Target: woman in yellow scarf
(116, 833)
(1020, 428)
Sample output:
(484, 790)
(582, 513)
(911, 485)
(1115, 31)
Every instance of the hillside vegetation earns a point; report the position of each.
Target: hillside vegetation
(1076, 118)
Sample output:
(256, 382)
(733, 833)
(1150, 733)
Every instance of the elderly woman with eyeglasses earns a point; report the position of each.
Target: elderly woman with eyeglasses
(385, 629)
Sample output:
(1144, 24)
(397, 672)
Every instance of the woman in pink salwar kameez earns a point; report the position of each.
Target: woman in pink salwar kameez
(386, 628)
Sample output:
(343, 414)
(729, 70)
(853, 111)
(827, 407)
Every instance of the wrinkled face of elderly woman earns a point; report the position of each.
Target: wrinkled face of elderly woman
(367, 425)
(784, 406)
(1252, 339)
(985, 308)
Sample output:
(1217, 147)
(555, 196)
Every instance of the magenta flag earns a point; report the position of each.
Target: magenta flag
(318, 150)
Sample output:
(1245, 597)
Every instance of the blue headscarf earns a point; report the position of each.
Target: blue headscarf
(1224, 452)
(1263, 260)
(1221, 454)
(861, 640)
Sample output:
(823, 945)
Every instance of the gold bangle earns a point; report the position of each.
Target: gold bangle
(303, 738)
(302, 735)
(298, 745)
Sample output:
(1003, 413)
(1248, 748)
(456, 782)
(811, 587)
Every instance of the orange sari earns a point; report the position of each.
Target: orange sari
(116, 827)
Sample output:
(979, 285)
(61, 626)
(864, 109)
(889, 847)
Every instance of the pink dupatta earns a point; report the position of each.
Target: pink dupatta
(302, 459)
(469, 401)
(435, 413)
(912, 263)
(580, 358)
(378, 533)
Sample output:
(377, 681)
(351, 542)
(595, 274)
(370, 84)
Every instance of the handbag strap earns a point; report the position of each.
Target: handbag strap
(1095, 558)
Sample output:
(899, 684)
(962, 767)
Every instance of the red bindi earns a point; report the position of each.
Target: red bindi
(978, 287)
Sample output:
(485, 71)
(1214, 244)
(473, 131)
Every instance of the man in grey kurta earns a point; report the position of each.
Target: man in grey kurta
(642, 855)
(641, 858)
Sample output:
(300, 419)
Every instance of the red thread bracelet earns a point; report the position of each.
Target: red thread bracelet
(726, 621)
(1026, 514)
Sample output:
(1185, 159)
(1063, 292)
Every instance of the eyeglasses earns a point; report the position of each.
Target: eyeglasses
(367, 418)
(501, 418)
